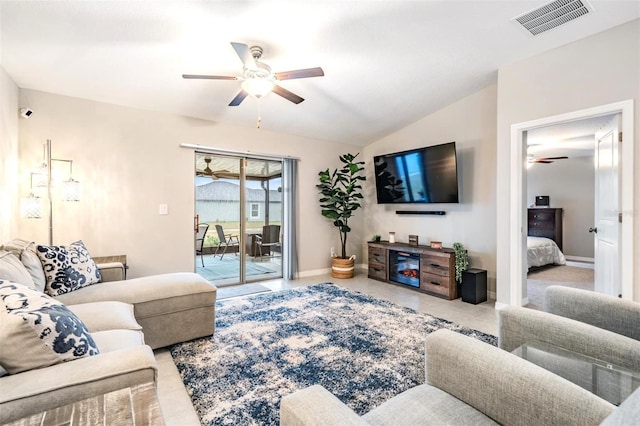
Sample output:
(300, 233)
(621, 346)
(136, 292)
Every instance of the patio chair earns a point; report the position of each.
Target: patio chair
(270, 239)
(202, 232)
(226, 240)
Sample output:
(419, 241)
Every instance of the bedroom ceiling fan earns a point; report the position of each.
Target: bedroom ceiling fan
(257, 78)
(545, 160)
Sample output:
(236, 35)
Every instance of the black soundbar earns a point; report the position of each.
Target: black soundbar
(435, 212)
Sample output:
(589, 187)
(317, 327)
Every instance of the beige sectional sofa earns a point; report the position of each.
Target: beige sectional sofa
(125, 318)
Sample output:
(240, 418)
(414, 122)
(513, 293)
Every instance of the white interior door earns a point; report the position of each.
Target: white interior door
(606, 229)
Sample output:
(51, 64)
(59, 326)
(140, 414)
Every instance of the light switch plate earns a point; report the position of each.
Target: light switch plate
(163, 209)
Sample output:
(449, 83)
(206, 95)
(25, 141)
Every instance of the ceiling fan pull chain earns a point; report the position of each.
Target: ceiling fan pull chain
(259, 114)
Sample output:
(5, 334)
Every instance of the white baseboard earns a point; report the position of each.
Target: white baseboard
(304, 274)
(580, 259)
(312, 273)
(500, 305)
(579, 264)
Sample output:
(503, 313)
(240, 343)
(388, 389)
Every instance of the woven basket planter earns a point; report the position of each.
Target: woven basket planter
(342, 268)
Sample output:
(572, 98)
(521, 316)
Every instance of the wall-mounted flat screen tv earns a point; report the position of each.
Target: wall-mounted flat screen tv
(424, 175)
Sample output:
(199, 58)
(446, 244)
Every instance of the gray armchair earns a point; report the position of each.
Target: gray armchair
(468, 383)
(600, 310)
(518, 326)
(596, 325)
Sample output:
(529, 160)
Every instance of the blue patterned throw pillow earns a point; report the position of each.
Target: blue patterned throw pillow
(67, 268)
(37, 331)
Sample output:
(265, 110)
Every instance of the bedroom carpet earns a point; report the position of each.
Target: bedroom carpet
(561, 273)
(364, 350)
(538, 279)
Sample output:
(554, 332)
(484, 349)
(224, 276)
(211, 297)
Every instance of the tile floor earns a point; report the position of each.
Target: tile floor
(176, 404)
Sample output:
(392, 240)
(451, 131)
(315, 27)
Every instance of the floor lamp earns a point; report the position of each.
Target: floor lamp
(31, 206)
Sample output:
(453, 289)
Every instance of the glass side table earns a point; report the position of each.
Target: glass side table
(610, 382)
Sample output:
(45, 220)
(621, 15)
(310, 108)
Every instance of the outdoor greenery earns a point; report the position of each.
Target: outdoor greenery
(341, 194)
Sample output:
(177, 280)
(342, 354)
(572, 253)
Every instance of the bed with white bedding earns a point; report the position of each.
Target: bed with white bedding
(543, 251)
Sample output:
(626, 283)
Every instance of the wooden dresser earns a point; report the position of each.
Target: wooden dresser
(433, 268)
(547, 223)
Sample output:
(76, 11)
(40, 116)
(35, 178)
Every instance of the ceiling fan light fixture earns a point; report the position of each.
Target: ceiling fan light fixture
(257, 87)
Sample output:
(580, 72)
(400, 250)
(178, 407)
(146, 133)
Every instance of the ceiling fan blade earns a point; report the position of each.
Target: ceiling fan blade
(239, 98)
(542, 161)
(290, 96)
(309, 72)
(245, 55)
(554, 158)
(209, 77)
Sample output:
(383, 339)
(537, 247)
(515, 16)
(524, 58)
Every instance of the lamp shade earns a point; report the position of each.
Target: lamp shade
(40, 177)
(257, 87)
(71, 190)
(31, 207)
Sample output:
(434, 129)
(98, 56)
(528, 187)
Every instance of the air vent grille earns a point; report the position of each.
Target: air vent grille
(553, 15)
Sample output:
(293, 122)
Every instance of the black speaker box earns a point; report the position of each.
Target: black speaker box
(474, 286)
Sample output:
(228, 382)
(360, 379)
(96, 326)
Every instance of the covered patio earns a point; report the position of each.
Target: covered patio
(226, 270)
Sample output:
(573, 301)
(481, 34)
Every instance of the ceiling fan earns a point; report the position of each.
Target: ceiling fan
(257, 77)
(545, 160)
(207, 172)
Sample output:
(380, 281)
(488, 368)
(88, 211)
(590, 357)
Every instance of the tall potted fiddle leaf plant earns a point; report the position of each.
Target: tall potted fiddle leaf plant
(341, 193)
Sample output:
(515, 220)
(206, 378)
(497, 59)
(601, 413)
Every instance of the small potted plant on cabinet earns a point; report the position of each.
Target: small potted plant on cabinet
(462, 263)
(341, 194)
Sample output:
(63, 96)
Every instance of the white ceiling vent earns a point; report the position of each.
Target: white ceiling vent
(553, 14)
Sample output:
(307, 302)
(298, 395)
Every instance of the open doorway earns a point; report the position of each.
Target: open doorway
(560, 199)
(624, 187)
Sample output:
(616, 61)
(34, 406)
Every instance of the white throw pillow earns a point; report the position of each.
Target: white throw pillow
(37, 331)
(26, 252)
(67, 268)
(11, 269)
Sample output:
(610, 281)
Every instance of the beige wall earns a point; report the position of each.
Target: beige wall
(570, 185)
(590, 72)
(471, 123)
(129, 161)
(8, 156)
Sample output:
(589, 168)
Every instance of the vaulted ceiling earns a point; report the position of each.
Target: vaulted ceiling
(386, 63)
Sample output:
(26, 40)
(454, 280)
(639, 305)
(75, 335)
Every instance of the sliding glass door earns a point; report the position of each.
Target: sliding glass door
(238, 218)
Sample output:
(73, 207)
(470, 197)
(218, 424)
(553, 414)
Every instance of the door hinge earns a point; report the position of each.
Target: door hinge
(619, 217)
(620, 137)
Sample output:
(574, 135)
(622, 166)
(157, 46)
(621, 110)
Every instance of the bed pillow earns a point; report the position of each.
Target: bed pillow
(67, 268)
(37, 331)
(26, 252)
(11, 269)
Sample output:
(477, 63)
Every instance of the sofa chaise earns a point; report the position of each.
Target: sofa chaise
(125, 320)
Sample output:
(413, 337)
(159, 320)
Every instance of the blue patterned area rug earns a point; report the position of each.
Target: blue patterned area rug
(364, 350)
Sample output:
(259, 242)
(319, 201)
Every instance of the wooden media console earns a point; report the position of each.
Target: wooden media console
(417, 267)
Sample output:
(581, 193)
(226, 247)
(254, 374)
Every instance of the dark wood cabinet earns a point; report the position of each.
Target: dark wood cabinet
(416, 267)
(377, 263)
(547, 223)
